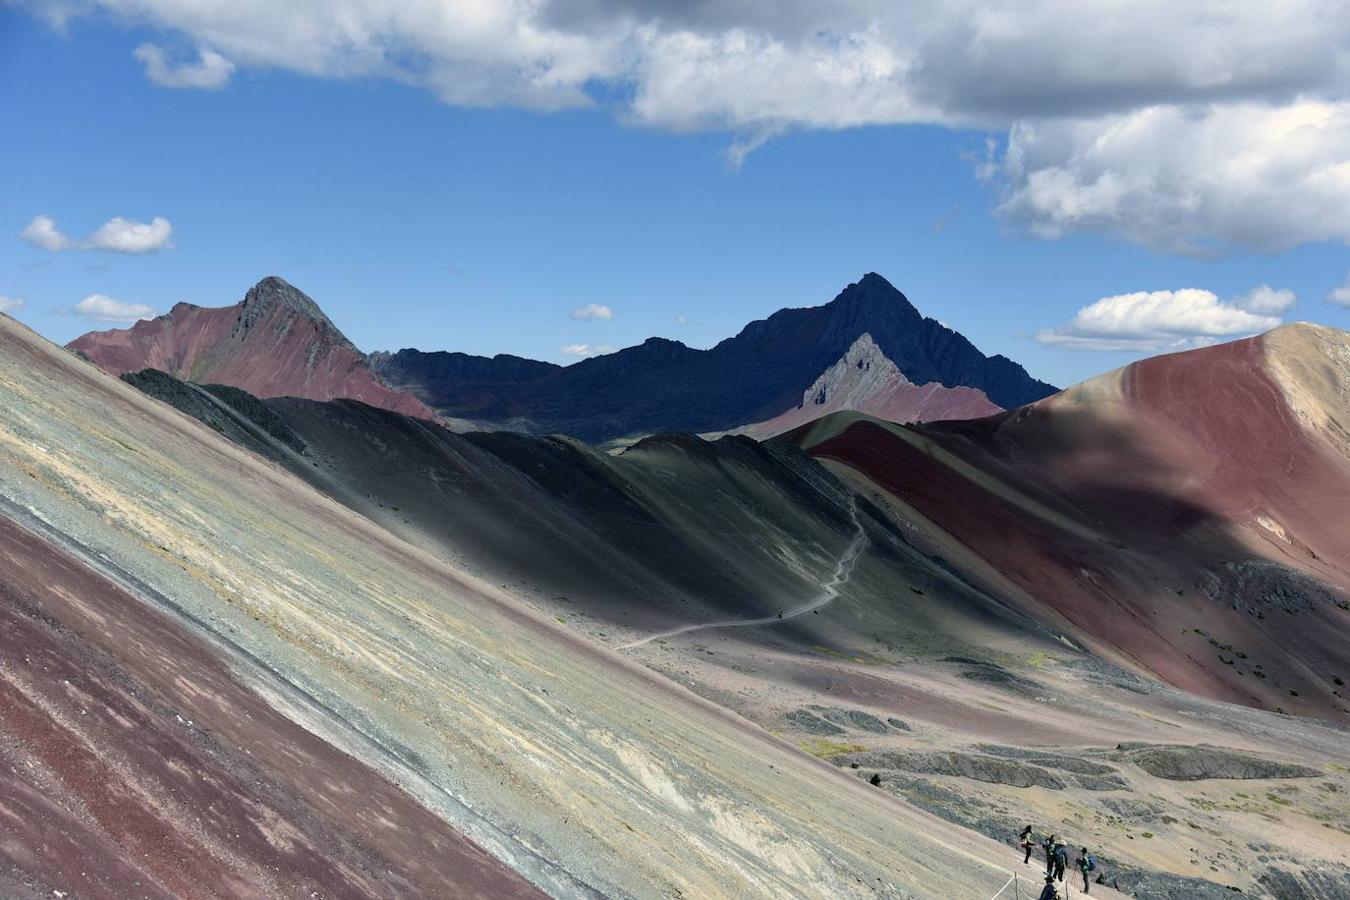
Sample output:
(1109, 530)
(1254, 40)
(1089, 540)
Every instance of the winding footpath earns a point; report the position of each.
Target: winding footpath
(843, 570)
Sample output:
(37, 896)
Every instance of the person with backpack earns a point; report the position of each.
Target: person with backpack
(1087, 863)
(1027, 841)
(1061, 859)
(1048, 845)
(1049, 892)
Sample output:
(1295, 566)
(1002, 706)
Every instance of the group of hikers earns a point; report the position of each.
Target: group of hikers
(1056, 861)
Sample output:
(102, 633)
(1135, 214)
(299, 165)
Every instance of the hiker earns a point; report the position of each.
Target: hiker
(1061, 859)
(1048, 845)
(1049, 892)
(1087, 863)
(1027, 841)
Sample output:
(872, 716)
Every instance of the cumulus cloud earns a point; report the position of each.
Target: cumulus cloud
(1192, 127)
(10, 305)
(1151, 321)
(102, 308)
(1341, 293)
(1191, 180)
(586, 350)
(129, 236)
(43, 233)
(118, 235)
(210, 72)
(592, 311)
(1265, 300)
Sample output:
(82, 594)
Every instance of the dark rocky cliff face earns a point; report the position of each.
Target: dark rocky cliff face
(662, 385)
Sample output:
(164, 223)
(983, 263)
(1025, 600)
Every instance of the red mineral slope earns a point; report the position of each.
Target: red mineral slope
(1187, 513)
(135, 763)
(866, 380)
(276, 342)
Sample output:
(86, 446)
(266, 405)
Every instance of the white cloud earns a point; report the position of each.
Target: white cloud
(103, 308)
(680, 319)
(210, 72)
(592, 311)
(586, 350)
(129, 236)
(10, 305)
(1150, 321)
(42, 232)
(1188, 126)
(1265, 300)
(118, 234)
(1341, 293)
(1191, 180)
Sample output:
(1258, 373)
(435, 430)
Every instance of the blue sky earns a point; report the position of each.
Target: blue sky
(418, 222)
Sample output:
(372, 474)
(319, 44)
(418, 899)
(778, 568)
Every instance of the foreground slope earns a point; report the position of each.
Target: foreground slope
(133, 746)
(276, 342)
(1183, 515)
(581, 771)
(807, 599)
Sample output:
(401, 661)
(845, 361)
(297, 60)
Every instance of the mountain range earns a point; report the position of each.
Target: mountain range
(662, 385)
(277, 342)
(903, 618)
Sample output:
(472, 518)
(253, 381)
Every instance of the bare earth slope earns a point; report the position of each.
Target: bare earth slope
(133, 747)
(1182, 515)
(671, 530)
(811, 599)
(581, 771)
(274, 343)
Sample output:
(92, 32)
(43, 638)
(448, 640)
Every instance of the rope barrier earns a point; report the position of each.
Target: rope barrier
(1066, 889)
(1011, 881)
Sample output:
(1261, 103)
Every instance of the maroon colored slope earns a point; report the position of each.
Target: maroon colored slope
(133, 763)
(1178, 513)
(274, 343)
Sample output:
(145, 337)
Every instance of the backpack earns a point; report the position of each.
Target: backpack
(1091, 863)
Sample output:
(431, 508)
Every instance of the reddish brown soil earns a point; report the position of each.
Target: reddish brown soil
(134, 764)
(280, 352)
(1164, 485)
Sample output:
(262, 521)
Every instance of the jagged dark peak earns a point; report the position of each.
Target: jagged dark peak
(875, 293)
(866, 304)
(274, 291)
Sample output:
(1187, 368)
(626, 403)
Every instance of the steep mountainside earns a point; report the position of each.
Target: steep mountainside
(696, 529)
(865, 380)
(276, 342)
(663, 385)
(972, 622)
(1184, 513)
(418, 690)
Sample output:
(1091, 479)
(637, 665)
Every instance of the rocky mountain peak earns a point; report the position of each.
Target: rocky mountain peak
(862, 372)
(274, 292)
